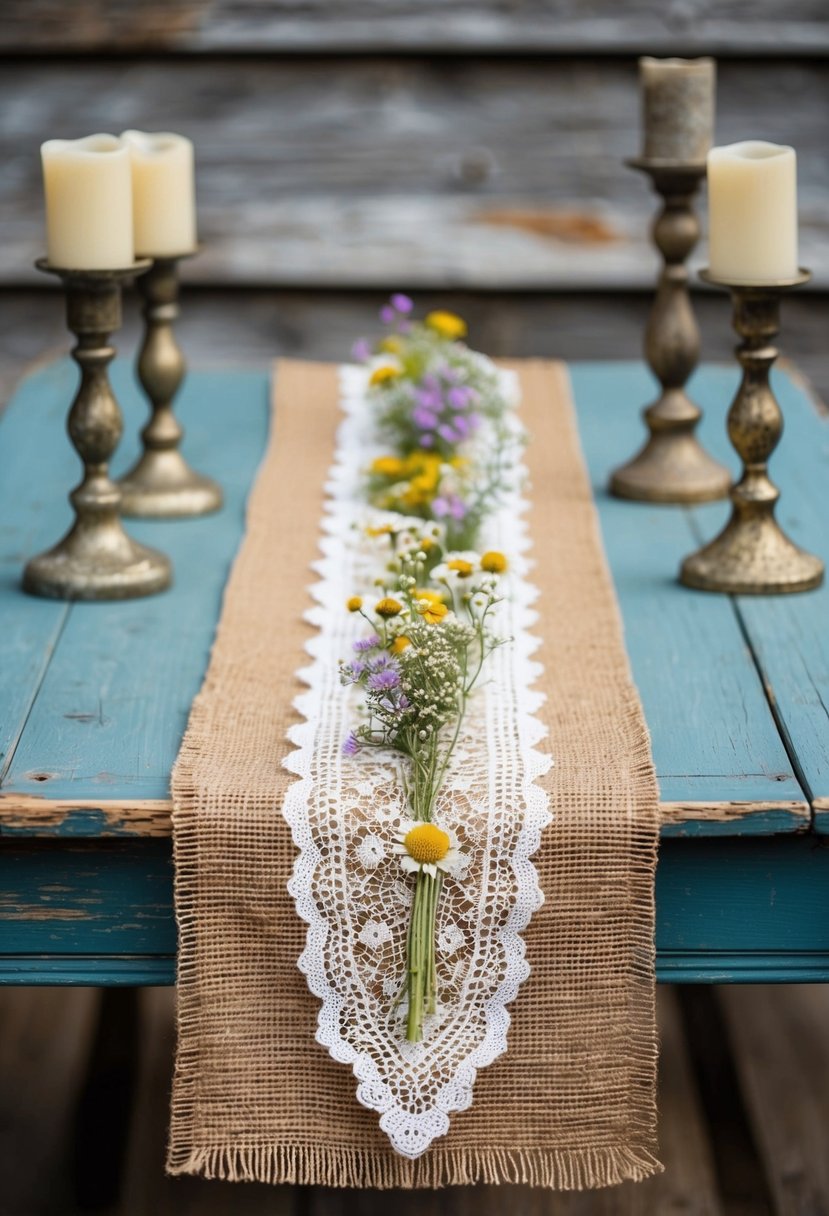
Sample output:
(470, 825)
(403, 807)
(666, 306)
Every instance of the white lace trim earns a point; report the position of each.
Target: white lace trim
(343, 811)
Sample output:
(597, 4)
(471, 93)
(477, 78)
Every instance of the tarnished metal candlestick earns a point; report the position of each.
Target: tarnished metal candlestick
(161, 483)
(96, 560)
(752, 555)
(672, 466)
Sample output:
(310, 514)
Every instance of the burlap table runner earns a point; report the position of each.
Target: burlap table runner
(572, 1103)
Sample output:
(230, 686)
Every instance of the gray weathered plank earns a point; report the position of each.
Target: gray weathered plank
(146, 1188)
(45, 1037)
(364, 172)
(595, 26)
(781, 1050)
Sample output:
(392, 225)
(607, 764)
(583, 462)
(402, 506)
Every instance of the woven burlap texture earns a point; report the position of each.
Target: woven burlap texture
(572, 1104)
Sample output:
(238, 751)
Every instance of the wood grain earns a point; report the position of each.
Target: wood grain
(557, 26)
(24, 816)
(99, 720)
(780, 1048)
(393, 171)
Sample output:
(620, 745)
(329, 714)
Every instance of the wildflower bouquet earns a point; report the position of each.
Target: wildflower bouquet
(429, 629)
(440, 408)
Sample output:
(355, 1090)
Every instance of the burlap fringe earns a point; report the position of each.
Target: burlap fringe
(570, 1170)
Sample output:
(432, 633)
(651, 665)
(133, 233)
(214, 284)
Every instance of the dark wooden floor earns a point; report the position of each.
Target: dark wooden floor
(744, 1112)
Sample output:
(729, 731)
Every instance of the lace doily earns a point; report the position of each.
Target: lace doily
(343, 811)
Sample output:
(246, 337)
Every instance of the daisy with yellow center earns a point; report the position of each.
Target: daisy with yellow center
(461, 567)
(388, 607)
(448, 324)
(494, 562)
(383, 374)
(426, 847)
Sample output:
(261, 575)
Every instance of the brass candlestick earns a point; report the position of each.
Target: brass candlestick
(672, 466)
(96, 560)
(752, 555)
(161, 483)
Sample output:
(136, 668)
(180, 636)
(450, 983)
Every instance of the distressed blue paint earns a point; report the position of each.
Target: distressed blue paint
(80, 823)
(758, 823)
(114, 701)
(737, 910)
(790, 634)
(713, 737)
(107, 721)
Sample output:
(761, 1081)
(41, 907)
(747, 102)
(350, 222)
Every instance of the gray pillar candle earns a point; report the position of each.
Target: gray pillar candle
(678, 107)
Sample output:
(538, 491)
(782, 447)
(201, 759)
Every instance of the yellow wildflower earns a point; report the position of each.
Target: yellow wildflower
(355, 603)
(494, 562)
(388, 606)
(447, 324)
(426, 593)
(433, 613)
(392, 345)
(426, 543)
(399, 644)
(382, 374)
(388, 466)
(461, 566)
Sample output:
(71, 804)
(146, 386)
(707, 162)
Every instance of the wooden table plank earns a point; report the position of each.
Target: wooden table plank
(114, 701)
(714, 738)
(485, 173)
(730, 910)
(104, 730)
(790, 634)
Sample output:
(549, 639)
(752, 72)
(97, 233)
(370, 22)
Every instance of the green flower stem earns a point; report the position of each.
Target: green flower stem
(422, 980)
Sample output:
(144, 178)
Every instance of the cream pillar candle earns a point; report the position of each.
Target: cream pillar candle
(678, 108)
(88, 203)
(163, 192)
(752, 204)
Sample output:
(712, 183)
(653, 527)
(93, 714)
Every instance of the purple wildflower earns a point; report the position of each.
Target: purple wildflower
(459, 397)
(402, 303)
(384, 681)
(351, 745)
(369, 643)
(447, 433)
(387, 315)
(361, 351)
(424, 419)
(427, 441)
(449, 505)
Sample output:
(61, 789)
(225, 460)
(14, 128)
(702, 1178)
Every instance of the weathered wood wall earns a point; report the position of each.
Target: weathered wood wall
(356, 143)
(471, 150)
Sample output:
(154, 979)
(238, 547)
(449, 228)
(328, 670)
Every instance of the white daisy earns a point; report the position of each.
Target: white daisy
(425, 846)
(458, 569)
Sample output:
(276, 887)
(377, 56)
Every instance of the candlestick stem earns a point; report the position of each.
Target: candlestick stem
(161, 484)
(672, 467)
(752, 555)
(96, 560)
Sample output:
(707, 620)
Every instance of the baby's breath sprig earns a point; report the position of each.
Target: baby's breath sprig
(428, 640)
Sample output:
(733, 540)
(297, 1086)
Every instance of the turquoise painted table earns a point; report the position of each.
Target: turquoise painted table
(94, 698)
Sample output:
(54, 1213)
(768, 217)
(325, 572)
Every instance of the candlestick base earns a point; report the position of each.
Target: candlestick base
(161, 484)
(753, 555)
(672, 467)
(96, 560)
